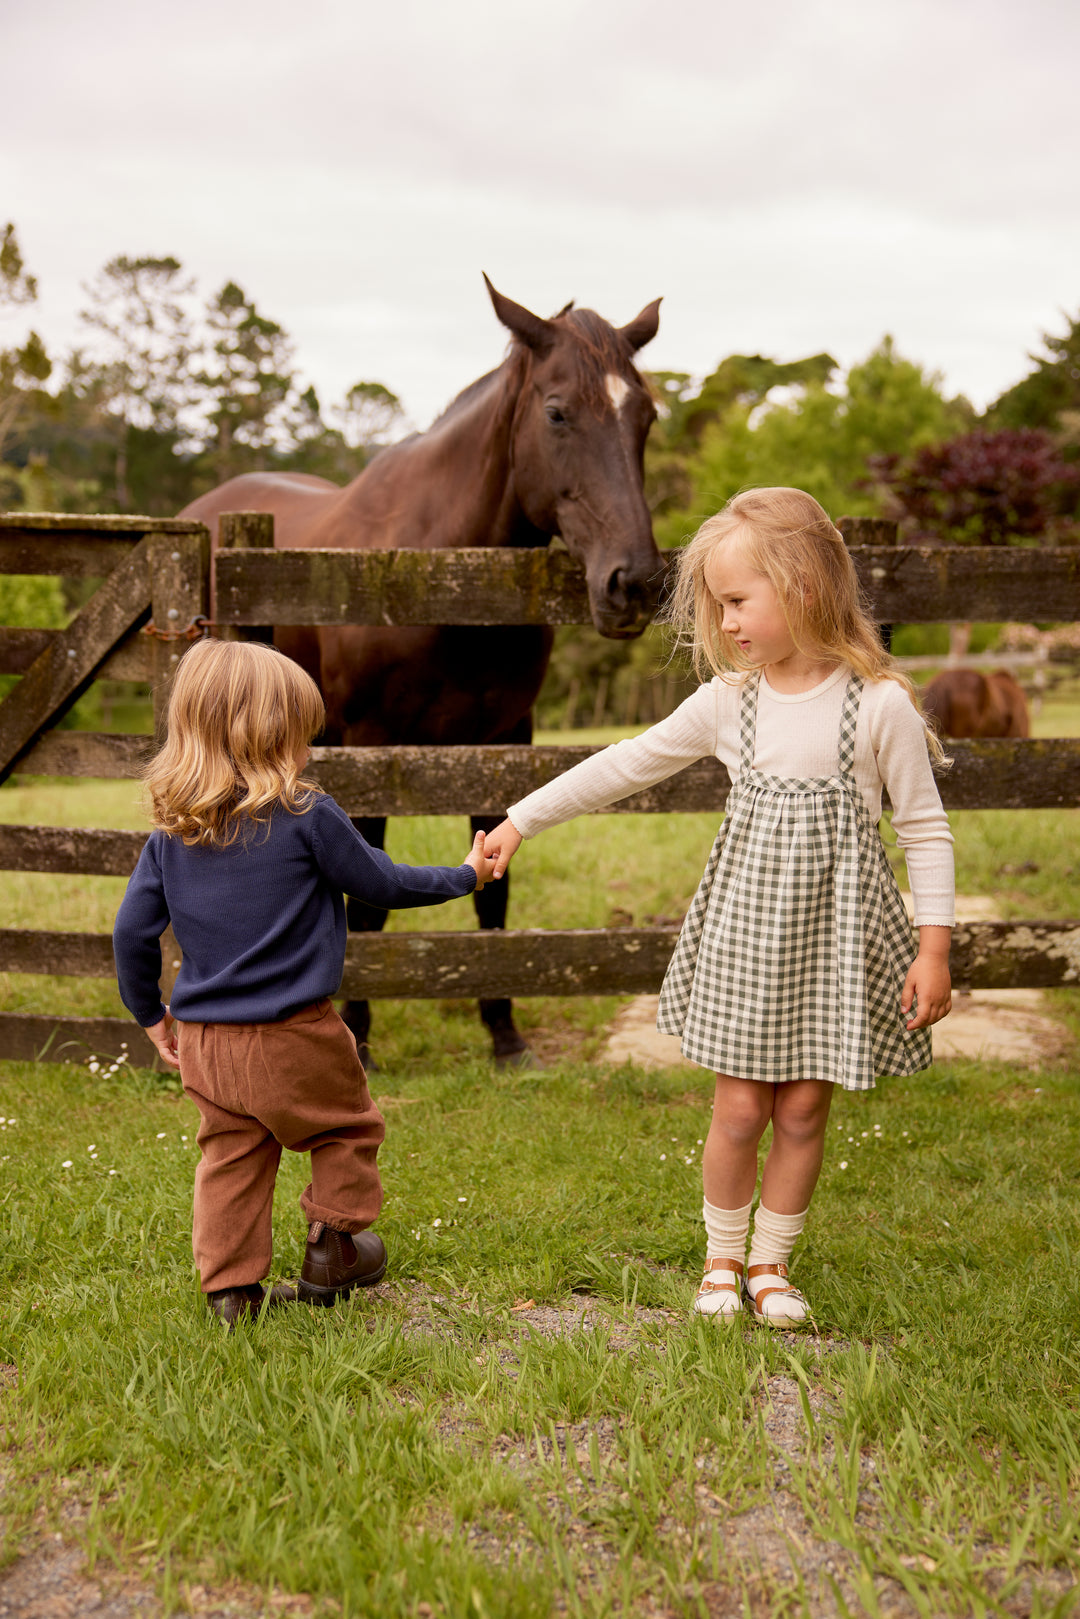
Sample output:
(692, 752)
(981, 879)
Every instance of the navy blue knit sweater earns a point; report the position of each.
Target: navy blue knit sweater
(262, 923)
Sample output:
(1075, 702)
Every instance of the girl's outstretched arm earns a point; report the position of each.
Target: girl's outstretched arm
(503, 844)
(928, 982)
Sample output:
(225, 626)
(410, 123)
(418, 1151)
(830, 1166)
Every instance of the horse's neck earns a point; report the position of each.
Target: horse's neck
(453, 485)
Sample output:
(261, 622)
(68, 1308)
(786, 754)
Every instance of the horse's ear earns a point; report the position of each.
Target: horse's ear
(535, 333)
(644, 327)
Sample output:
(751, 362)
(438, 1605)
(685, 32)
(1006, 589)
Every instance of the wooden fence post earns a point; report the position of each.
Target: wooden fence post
(872, 531)
(179, 592)
(246, 531)
(179, 565)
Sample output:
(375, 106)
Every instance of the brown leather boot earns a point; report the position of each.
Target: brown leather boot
(233, 1304)
(335, 1263)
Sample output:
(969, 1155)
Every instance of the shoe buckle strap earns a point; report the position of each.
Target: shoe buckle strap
(767, 1293)
(719, 1263)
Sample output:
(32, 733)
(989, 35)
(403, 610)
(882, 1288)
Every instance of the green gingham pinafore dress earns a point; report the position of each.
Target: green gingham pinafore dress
(792, 958)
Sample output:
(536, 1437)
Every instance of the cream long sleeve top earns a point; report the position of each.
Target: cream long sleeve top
(797, 736)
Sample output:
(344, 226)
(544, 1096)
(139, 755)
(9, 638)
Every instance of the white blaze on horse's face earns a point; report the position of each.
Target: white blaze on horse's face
(617, 390)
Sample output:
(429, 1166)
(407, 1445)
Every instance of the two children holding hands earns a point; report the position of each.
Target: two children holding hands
(796, 970)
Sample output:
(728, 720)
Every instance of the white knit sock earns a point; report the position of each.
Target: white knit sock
(775, 1236)
(771, 1244)
(726, 1231)
(720, 1294)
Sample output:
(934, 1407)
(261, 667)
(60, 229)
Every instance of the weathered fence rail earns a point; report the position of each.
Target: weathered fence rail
(1035, 773)
(158, 571)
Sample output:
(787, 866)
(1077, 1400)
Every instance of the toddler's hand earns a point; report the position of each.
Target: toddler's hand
(481, 863)
(504, 844)
(163, 1035)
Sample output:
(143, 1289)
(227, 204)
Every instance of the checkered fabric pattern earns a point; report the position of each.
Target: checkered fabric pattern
(792, 958)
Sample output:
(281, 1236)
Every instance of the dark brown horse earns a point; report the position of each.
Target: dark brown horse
(964, 702)
(550, 443)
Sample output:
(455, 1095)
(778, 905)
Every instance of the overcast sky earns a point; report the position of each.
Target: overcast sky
(792, 177)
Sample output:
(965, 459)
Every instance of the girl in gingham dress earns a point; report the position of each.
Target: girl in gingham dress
(796, 969)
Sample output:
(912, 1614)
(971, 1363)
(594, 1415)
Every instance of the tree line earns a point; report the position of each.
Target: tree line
(170, 394)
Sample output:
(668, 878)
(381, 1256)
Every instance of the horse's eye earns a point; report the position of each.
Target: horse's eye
(554, 414)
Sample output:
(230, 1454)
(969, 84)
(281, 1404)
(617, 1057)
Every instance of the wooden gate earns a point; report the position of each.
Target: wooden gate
(155, 577)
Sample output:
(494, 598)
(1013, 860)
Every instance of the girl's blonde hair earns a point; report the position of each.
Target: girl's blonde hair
(239, 713)
(788, 538)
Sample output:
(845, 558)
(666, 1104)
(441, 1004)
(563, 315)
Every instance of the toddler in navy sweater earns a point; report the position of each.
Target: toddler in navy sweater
(250, 863)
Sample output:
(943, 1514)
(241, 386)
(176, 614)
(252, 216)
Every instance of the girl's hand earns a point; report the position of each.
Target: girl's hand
(481, 863)
(504, 844)
(163, 1035)
(928, 981)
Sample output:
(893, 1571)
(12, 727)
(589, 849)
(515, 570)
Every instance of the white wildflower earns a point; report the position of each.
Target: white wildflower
(161, 1135)
(66, 1164)
(843, 1163)
(436, 1223)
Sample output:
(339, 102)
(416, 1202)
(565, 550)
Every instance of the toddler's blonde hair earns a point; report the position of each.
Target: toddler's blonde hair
(788, 538)
(239, 712)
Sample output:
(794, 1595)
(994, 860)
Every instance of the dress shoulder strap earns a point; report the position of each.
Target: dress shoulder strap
(748, 721)
(849, 719)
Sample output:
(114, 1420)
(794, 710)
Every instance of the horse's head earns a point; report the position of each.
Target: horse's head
(579, 429)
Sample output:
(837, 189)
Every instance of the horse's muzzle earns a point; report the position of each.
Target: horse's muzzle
(624, 606)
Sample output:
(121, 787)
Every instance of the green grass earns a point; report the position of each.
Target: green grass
(399, 1452)
(351, 1455)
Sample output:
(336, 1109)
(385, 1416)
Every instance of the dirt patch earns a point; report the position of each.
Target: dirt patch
(50, 1580)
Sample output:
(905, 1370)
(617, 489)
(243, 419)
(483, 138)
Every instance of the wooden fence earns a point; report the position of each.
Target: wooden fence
(155, 577)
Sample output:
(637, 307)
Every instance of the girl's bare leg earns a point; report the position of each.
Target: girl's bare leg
(741, 1110)
(800, 1112)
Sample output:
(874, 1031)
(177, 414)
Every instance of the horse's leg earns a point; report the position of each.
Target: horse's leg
(364, 919)
(508, 1047)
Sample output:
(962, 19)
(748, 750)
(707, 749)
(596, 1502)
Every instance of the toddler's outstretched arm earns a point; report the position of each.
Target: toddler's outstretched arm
(504, 844)
(928, 981)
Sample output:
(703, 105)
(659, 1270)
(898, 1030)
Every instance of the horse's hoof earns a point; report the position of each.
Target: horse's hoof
(367, 1061)
(525, 1058)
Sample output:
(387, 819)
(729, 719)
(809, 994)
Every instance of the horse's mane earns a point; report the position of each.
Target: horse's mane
(600, 348)
(466, 396)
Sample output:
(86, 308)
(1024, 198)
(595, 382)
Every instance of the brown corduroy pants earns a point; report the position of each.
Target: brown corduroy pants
(260, 1087)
